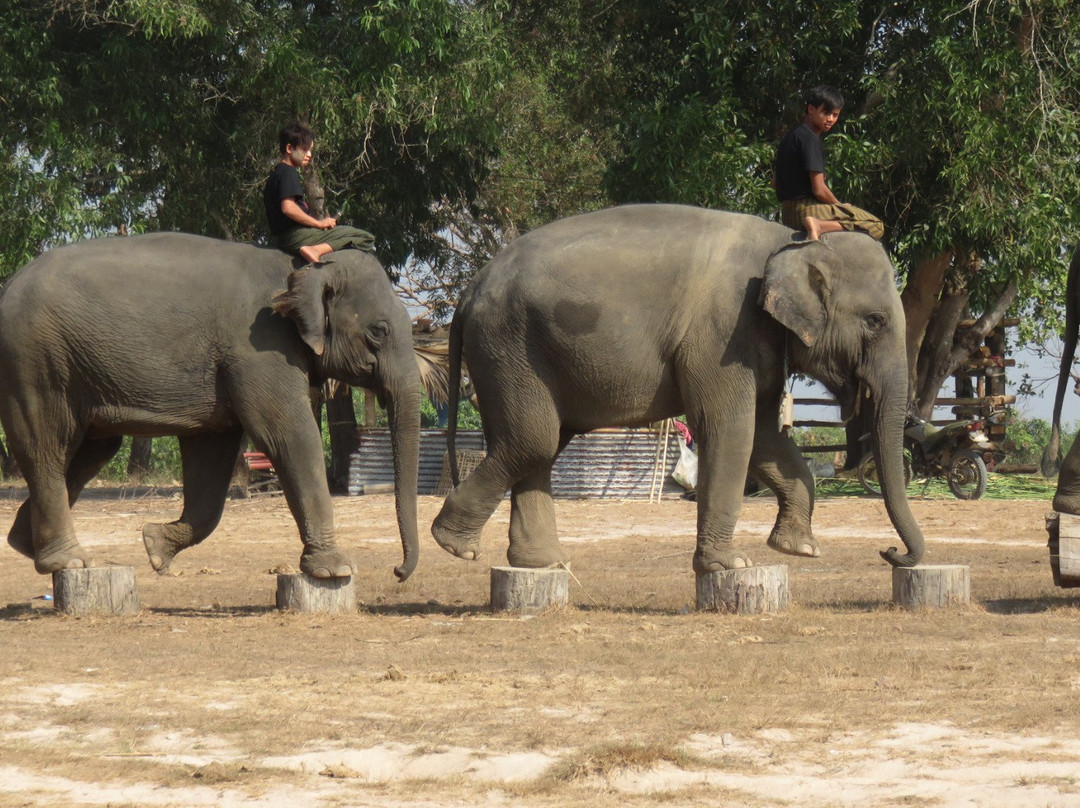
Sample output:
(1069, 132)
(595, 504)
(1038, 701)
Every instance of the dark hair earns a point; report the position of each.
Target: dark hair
(295, 134)
(825, 95)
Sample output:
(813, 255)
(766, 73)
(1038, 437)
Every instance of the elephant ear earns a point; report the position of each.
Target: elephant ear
(305, 303)
(795, 290)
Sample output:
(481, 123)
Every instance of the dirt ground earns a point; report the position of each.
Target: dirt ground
(629, 696)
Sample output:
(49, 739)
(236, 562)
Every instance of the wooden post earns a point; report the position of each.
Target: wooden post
(298, 592)
(1064, 544)
(528, 591)
(931, 585)
(96, 590)
(753, 590)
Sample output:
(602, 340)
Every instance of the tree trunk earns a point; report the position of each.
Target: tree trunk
(954, 351)
(920, 298)
(139, 461)
(341, 419)
(933, 363)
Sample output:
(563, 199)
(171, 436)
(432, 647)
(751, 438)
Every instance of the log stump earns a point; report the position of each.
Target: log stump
(299, 592)
(528, 591)
(96, 590)
(1064, 544)
(931, 586)
(753, 590)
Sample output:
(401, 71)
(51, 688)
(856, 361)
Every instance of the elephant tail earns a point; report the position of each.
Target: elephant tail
(1051, 459)
(454, 394)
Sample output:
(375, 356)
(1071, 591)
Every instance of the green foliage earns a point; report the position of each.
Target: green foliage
(165, 468)
(1027, 437)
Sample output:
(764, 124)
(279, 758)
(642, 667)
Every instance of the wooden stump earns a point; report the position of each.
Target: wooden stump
(931, 585)
(1064, 544)
(528, 591)
(753, 590)
(96, 590)
(298, 592)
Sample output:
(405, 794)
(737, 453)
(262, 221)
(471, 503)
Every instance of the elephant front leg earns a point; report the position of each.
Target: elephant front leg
(208, 461)
(298, 461)
(723, 457)
(777, 462)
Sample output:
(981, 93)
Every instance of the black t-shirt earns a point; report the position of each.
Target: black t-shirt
(283, 183)
(800, 152)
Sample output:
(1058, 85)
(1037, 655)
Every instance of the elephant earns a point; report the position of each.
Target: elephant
(1067, 495)
(211, 341)
(639, 313)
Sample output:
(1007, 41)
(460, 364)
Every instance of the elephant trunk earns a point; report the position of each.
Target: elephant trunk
(887, 435)
(403, 411)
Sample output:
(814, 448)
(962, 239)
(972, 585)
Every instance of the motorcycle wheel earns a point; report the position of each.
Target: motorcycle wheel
(868, 474)
(967, 475)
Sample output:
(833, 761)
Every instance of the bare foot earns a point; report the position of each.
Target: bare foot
(813, 228)
(309, 254)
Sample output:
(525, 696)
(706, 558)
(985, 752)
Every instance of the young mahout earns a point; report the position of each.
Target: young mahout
(806, 201)
(292, 227)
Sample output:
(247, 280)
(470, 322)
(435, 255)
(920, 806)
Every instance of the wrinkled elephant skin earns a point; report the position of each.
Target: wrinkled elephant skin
(211, 341)
(635, 314)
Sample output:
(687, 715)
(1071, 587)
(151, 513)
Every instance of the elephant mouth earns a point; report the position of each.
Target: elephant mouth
(851, 401)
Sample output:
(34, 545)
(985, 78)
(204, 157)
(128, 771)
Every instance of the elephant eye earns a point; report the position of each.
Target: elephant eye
(377, 333)
(875, 322)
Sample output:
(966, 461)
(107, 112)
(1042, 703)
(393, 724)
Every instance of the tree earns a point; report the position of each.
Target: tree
(960, 128)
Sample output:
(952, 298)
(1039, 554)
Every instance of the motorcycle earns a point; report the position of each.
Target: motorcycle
(959, 452)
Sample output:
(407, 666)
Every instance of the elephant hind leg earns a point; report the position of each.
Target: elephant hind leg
(208, 460)
(534, 540)
(515, 453)
(62, 552)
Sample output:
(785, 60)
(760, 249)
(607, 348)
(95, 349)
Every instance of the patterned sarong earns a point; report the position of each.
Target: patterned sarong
(340, 237)
(793, 213)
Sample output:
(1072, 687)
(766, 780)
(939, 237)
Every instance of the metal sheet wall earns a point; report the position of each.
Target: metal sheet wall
(607, 463)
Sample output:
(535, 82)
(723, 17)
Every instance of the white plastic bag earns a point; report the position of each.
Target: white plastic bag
(685, 472)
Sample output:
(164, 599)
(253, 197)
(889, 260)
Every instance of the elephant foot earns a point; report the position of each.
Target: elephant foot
(715, 559)
(1062, 504)
(796, 543)
(21, 542)
(62, 555)
(326, 563)
(549, 556)
(162, 545)
(462, 546)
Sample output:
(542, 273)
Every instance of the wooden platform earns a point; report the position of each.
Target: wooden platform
(1064, 544)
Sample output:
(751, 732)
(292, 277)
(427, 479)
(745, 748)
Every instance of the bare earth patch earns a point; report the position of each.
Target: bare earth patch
(628, 697)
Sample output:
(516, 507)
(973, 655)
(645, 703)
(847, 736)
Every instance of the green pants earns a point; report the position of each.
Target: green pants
(793, 213)
(339, 238)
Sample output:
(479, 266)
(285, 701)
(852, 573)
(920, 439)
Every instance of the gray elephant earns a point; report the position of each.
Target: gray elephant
(1067, 496)
(635, 314)
(175, 334)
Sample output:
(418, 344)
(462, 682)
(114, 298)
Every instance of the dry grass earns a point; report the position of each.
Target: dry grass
(211, 687)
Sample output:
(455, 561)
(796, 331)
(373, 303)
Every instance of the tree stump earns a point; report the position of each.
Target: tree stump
(298, 592)
(753, 590)
(1064, 544)
(931, 585)
(528, 591)
(96, 590)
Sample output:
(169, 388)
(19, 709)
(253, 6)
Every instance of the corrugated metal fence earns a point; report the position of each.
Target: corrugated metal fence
(606, 463)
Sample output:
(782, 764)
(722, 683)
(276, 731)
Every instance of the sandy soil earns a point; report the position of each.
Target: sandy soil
(628, 697)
